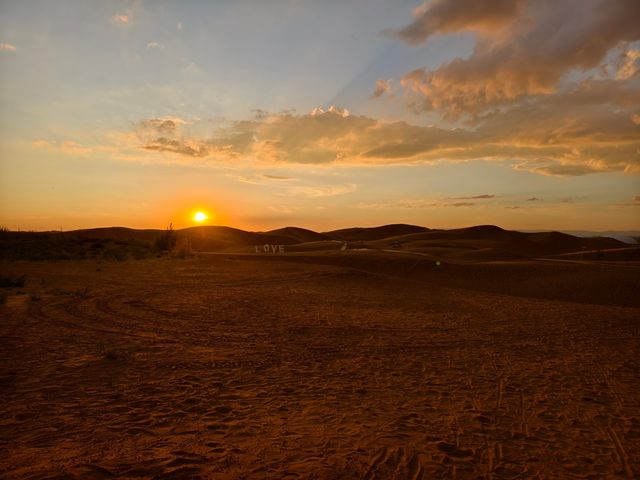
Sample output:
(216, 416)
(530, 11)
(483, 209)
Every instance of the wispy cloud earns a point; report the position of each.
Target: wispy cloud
(382, 87)
(635, 202)
(67, 147)
(7, 47)
(317, 191)
(262, 178)
(476, 197)
(284, 209)
(419, 203)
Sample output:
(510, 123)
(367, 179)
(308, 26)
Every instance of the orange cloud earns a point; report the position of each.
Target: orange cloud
(446, 16)
(628, 65)
(587, 129)
(121, 19)
(68, 147)
(543, 42)
(382, 87)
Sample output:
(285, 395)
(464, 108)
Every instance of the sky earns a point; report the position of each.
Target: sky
(323, 115)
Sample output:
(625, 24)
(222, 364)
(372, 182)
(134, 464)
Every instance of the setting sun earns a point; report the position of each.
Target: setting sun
(200, 217)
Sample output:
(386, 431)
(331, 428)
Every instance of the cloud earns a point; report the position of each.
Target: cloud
(635, 202)
(284, 209)
(163, 125)
(68, 147)
(165, 135)
(420, 203)
(152, 45)
(523, 48)
(585, 130)
(628, 64)
(275, 177)
(343, 112)
(261, 178)
(475, 197)
(318, 191)
(7, 47)
(182, 147)
(557, 169)
(446, 16)
(382, 87)
(121, 19)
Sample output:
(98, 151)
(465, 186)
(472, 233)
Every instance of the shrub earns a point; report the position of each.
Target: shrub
(167, 241)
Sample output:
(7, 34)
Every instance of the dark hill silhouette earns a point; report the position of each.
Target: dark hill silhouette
(477, 243)
(212, 238)
(300, 235)
(360, 234)
(490, 242)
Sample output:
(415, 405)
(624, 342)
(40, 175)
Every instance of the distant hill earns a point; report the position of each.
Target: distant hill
(300, 235)
(359, 234)
(477, 243)
(631, 237)
(111, 233)
(490, 242)
(211, 238)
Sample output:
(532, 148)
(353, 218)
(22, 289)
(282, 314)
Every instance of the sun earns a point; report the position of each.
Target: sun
(200, 217)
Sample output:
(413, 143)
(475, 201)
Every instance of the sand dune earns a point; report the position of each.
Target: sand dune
(374, 233)
(478, 243)
(354, 364)
(301, 235)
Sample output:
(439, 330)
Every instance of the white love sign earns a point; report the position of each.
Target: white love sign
(266, 248)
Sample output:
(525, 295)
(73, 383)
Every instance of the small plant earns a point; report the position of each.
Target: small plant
(167, 241)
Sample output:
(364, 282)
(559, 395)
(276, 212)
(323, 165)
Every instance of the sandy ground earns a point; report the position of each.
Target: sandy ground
(225, 367)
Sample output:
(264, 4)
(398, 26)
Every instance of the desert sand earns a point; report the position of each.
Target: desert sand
(329, 366)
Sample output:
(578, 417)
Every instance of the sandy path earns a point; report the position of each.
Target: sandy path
(219, 368)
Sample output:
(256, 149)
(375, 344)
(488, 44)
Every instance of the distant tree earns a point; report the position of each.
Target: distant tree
(167, 241)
